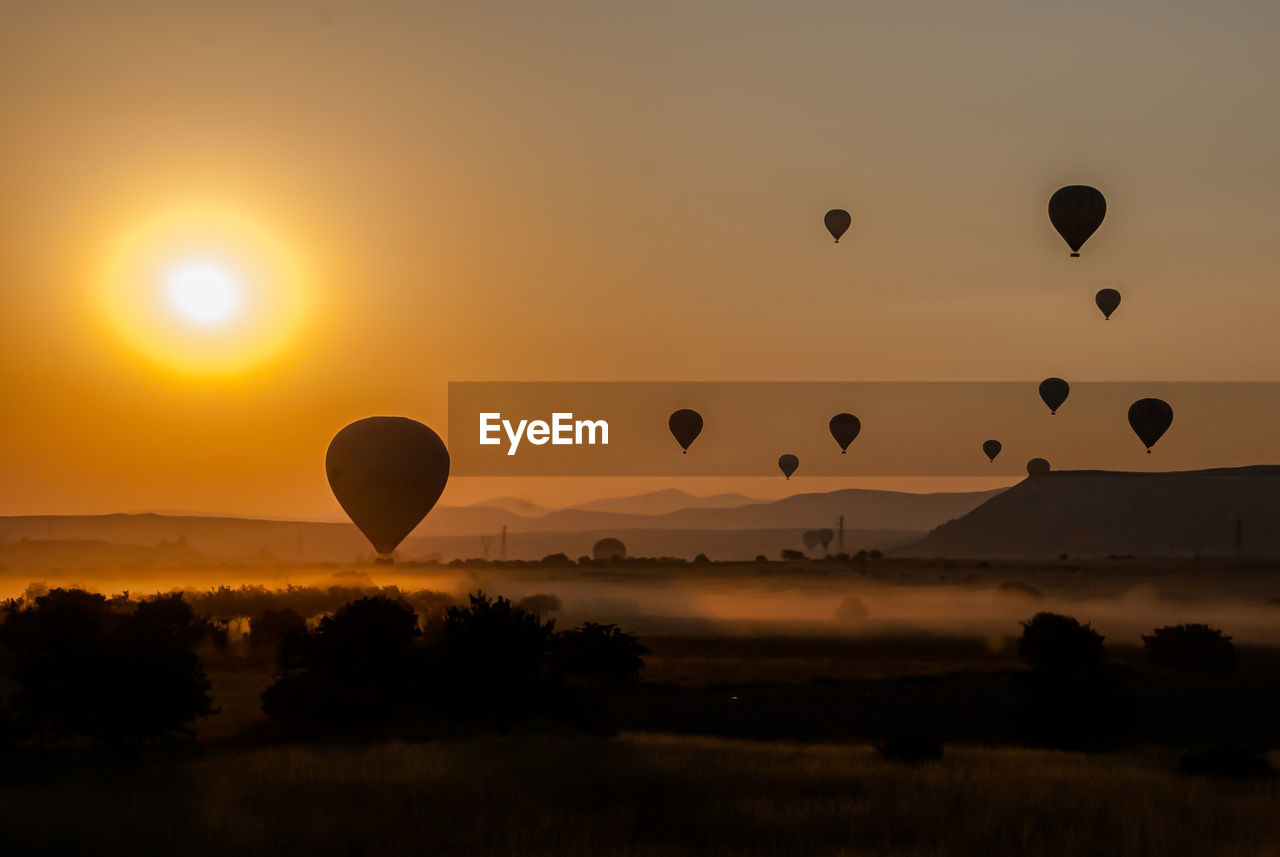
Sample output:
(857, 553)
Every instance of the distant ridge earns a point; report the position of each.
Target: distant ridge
(1091, 513)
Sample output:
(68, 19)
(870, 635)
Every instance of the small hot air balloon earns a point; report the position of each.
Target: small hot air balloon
(1053, 391)
(1076, 211)
(787, 464)
(685, 426)
(991, 448)
(1150, 419)
(837, 221)
(1107, 301)
(608, 549)
(844, 428)
(387, 473)
(1037, 467)
(825, 536)
(811, 538)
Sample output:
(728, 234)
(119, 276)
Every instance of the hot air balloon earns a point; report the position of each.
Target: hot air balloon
(844, 428)
(837, 221)
(685, 426)
(1076, 211)
(1053, 391)
(825, 536)
(1150, 419)
(1037, 467)
(991, 448)
(1107, 301)
(787, 464)
(608, 549)
(811, 538)
(387, 473)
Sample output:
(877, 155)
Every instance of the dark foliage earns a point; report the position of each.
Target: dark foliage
(89, 668)
(541, 603)
(790, 554)
(1226, 760)
(267, 629)
(1058, 645)
(911, 747)
(1191, 648)
(599, 652)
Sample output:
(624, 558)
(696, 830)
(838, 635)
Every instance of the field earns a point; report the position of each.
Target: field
(635, 795)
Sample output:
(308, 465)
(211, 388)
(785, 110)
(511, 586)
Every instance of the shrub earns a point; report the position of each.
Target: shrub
(1059, 645)
(790, 554)
(1191, 648)
(268, 629)
(599, 652)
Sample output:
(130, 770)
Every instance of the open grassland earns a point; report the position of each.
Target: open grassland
(634, 795)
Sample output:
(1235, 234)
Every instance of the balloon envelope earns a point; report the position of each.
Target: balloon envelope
(991, 448)
(837, 221)
(685, 426)
(608, 548)
(1107, 301)
(1053, 391)
(844, 428)
(788, 464)
(1150, 419)
(1037, 467)
(1076, 211)
(387, 473)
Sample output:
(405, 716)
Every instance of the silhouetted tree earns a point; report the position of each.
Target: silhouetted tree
(595, 651)
(790, 554)
(495, 656)
(86, 670)
(267, 629)
(1191, 648)
(1055, 644)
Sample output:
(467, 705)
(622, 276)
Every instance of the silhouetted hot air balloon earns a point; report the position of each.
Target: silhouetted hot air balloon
(837, 221)
(387, 473)
(825, 536)
(608, 549)
(1037, 467)
(1150, 419)
(685, 425)
(844, 428)
(787, 464)
(811, 538)
(1076, 211)
(991, 448)
(1053, 391)
(1107, 301)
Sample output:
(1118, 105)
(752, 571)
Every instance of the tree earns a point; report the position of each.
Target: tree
(1059, 645)
(600, 652)
(267, 629)
(1191, 648)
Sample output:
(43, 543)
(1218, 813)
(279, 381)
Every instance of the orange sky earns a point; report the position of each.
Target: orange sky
(596, 191)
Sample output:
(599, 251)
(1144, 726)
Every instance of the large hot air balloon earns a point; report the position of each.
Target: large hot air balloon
(787, 464)
(844, 428)
(1076, 211)
(837, 221)
(1150, 419)
(1038, 467)
(609, 548)
(1107, 301)
(1053, 391)
(991, 448)
(685, 426)
(387, 473)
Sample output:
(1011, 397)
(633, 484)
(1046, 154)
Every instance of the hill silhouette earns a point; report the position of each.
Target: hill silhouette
(1091, 513)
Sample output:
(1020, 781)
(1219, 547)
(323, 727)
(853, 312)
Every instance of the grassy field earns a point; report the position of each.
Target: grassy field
(634, 795)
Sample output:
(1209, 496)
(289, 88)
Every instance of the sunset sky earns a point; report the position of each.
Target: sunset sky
(413, 193)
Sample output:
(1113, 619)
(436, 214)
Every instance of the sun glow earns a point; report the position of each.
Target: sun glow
(203, 291)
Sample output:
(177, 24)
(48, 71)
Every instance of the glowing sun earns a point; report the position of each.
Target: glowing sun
(203, 292)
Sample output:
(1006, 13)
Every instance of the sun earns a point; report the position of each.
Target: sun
(203, 290)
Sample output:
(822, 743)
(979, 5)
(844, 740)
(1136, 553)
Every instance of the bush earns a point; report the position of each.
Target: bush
(1225, 760)
(1059, 645)
(1191, 648)
(88, 669)
(911, 747)
(602, 652)
(268, 629)
(790, 554)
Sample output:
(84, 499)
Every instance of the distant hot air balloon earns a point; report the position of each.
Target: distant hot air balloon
(685, 425)
(825, 536)
(811, 539)
(1107, 301)
(787, 464)
(1037, 467)
(1150, 419)
(1076, 211)
(387, 473)
(991, 448)
(608, 549)
(837, 221)
(844, 428)
(1053, 391)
